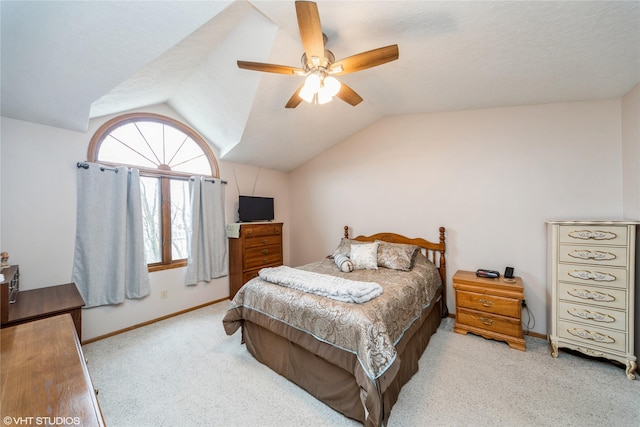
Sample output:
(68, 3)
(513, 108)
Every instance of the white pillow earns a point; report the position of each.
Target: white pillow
(364, 256)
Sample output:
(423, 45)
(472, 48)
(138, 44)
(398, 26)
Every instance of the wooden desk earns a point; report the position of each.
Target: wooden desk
(51, 301)
(44, 374)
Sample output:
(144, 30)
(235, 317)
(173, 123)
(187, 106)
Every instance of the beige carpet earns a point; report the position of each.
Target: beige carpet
(185, 371)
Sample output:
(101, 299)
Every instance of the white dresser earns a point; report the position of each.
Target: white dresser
(592, 278)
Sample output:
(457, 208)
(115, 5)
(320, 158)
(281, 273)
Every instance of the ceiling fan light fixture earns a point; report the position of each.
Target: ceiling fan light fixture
(324, 96)
(311, 87)
(332, 85)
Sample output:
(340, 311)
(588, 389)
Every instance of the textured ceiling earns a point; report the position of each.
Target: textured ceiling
(66, 62)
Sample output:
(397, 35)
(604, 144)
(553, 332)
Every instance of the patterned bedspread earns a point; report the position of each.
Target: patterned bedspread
(370, 330)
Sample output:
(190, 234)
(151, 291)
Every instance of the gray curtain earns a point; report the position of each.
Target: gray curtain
(208, 257)
(109, 262)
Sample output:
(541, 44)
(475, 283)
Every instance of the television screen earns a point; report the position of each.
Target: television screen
(252, 208)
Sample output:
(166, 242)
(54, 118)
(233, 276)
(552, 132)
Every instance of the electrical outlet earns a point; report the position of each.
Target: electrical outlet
(163, 294)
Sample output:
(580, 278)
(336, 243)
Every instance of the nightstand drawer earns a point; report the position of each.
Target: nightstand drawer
(593, 235)
(592, 336)
(490, 322)
(604, 255)
(489, 303)
(596, 316)
(590, 275)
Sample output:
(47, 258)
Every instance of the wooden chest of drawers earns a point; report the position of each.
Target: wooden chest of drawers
(592, 275)
(258, 246)
(44, 378)
(491, 308)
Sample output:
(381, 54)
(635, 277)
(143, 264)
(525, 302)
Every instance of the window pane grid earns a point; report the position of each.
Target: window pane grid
(167, 152)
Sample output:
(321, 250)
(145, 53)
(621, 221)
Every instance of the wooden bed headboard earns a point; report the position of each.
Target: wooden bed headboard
(435, 252)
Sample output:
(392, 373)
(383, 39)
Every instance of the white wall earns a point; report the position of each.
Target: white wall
(631, 153)
(491, 177)
(38, 179)
(631, 175)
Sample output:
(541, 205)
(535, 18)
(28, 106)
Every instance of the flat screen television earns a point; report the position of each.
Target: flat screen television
(251, 208)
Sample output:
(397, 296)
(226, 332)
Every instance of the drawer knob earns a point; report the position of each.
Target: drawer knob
(594, 295)
(592, 275)
(265, 241)
(264, 260)
(595, 235)
(590, 315)
(265, 251)
(485, 302)
(592, 255)
(486, 321)
(591, 335)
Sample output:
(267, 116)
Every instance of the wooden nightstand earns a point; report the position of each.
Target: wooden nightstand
(491, 308)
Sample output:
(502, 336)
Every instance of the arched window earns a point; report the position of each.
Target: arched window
(167, 153)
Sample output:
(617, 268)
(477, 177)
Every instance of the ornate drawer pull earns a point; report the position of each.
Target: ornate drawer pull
(265, 241)
(596, 296)
(594, 255)
(486, 321)
(591, 315)
(264, 260)
(265, 251)
(592, 234)
(590, 352)
(592, 275)
(485, 302)
(589, 335)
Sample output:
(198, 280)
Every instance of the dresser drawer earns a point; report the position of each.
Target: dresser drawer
(593, 235)
(250, 274)
(490, 322)
(261, 230)
(605, 255)
(589, 275)
(257, 257)
(603, 297)
(254, 242)
(592, 336)
(596, 316)
(489, 303)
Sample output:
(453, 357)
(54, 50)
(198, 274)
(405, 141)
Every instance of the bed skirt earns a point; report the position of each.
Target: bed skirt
(334, 376)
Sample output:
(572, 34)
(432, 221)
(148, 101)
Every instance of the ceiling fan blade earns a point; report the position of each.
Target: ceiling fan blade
(348, 95)
(295, 100)
(364, 60)
(270, 68)
(310, 31)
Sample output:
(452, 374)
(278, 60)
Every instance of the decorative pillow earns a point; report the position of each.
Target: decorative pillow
(343, 262)
(364, 256)
(344, 248)
(397, 256)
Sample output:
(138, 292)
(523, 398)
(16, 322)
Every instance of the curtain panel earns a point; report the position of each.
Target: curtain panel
(109, 263)
(208, 254)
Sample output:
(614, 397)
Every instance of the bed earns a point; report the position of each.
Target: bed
(354, 357)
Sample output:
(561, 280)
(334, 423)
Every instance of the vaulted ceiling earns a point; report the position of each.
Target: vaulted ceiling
(64, 63)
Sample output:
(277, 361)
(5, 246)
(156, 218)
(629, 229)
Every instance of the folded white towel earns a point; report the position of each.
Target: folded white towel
(233, 231)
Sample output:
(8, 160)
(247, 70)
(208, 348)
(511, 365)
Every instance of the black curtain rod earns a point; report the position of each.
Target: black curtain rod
(85, 165)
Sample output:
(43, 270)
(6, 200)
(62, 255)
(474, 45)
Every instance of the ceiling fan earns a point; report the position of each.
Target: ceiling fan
(319, 64)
